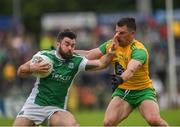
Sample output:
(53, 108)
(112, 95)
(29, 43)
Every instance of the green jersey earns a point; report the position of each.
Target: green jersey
(53, 90)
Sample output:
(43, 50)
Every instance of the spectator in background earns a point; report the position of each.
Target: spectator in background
(158, 85)
(46, 41)
(2, 107)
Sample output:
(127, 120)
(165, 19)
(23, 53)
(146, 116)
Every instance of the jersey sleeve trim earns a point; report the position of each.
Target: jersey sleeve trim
(103, 47)
(83, 63)
(38, 53)
(140, 55)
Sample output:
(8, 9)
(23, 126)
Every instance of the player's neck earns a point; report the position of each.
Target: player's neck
(59, 56)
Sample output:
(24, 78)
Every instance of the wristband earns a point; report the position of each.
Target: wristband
(120, 80)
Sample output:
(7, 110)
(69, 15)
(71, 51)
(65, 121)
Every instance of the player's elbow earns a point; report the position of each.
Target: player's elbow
(128, 74)
(131, 71)
(21, 72)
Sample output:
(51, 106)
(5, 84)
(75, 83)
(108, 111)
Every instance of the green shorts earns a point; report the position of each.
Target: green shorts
(135, 97)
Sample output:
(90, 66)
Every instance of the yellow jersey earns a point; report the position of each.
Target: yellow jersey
(136, 50)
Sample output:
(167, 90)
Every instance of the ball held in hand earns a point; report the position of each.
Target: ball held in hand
(44, 59)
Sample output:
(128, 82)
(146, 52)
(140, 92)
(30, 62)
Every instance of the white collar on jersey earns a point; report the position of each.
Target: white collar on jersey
(58, 56)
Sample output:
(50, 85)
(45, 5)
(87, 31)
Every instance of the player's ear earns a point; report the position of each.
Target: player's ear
(57, 43)
(133, 33)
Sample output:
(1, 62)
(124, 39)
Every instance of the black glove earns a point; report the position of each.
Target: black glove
(115, 81)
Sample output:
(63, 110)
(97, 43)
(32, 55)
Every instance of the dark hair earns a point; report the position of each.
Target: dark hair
(127, 21)
(66, 33)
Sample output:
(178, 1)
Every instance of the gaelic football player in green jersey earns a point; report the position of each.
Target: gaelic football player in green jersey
(131, 84)
(48, 99)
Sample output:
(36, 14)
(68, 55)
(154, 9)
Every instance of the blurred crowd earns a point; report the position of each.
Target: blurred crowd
(92, 89)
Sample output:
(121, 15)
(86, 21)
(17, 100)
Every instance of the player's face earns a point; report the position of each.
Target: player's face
(66, 47)
(124, 36)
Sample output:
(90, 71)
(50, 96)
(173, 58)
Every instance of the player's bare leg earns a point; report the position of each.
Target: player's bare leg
(61, 118)
(117, 110)
(22, 121)
(150, 111)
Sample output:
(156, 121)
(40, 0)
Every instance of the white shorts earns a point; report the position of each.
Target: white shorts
(37, 113)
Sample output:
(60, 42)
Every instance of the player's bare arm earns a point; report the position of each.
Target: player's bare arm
(94, 54)
(90, 54)
(27, 68)
(104, 60)
(133, 65)
(99, 64)
(82, 52)
(24, 70)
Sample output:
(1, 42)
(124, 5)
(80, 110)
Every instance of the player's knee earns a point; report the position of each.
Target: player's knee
(72, 123)
(64, 123)
(153, 120)
(109, 122)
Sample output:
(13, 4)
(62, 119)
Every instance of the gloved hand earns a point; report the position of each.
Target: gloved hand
(115, 81)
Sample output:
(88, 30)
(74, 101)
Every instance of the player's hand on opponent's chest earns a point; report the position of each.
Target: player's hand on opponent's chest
(116, 80)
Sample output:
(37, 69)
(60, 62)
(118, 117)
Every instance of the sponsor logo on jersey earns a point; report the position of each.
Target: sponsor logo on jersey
(59, 77)
(71, 65)
(60, 63)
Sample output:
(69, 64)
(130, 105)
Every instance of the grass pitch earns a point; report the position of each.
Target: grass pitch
(95, 118)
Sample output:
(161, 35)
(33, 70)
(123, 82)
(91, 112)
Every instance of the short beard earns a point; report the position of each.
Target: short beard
(123, 43)
(64, 55)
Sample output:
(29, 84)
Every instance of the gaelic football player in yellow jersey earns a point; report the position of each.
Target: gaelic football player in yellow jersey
(131, 84)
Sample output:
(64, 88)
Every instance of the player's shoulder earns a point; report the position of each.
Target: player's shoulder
(77, 56)
(47, 52)
(137, 45)
(108, 42)
(77, 59)
(104, 46)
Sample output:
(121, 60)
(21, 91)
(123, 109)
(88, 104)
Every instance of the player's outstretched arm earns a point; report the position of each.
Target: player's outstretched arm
(82, 52)
(100, 63)
(94, 54)
(90, 54)
(103, 61)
